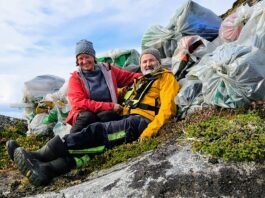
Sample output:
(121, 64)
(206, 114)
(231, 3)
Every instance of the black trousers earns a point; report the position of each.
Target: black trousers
(86, 118)
(97, 137)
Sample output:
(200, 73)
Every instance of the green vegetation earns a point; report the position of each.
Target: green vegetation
(240, 137)
(121, 154)
(237, 135)
(16, 132)
(109, 158)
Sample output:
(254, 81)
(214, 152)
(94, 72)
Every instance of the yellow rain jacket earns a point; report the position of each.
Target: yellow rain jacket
(161, 93)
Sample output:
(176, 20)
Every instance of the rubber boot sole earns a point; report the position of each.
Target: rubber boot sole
(30, 168)
(11, 146)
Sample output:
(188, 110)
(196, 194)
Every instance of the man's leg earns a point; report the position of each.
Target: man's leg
(83, 119)
(98, 136)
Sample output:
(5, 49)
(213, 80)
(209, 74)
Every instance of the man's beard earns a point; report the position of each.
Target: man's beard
(148, 71)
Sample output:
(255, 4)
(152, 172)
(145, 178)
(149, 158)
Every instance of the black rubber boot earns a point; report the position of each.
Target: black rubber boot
(54, 148)
(38, 172)
(11, 146)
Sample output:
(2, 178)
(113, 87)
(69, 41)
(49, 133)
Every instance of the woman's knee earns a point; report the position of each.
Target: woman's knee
(87, 116)
(106, 116)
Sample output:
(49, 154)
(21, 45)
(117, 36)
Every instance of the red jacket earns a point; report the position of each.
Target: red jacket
(78, 94)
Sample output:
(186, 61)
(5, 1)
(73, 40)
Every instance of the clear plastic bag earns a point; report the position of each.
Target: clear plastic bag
(253, 33)
(189, 97)
(36, 126)
(189, 51)
(232, 25)
(193, 19)
(61, 129)
(232, 76)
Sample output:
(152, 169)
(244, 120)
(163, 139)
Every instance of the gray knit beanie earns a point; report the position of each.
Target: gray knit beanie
(152, 51)
(85, 47)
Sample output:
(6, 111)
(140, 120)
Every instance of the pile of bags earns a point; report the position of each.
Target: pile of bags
(216, 62)
(190, 19)
(232, 71)
(45, 105)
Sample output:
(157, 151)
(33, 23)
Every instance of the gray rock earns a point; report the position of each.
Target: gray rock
(6, 121)
(172, 171)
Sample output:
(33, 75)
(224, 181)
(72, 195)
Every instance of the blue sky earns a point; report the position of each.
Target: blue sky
(38, 37)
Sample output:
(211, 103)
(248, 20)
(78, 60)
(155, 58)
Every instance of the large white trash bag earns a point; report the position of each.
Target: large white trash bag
(42, 85)
(232, 76)
(36, 89)
(37, 127)
(232, 25)
(190, 49)
(160, 38)
(189, 97)
(253, 33)
(193, 19)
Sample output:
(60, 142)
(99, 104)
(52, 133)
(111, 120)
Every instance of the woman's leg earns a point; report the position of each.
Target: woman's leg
(83, 119)
(106, 116)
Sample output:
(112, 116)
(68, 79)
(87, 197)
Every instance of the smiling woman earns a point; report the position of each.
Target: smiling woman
(93, 89)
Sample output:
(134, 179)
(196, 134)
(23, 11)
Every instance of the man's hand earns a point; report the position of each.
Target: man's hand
(118, 108)
(143, 137)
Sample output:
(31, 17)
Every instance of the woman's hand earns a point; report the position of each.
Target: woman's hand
(118, 108)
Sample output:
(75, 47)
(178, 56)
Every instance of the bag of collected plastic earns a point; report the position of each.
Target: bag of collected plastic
(36, 89)
(189, 97)
(61, 94)
(232, 76)
(160, 38)
(60, 102)
(232, 25)
(193, 19)
(61, 129)
(62, 107)
(253, 33)
(189, 51)
(36, 126)
(121, 57)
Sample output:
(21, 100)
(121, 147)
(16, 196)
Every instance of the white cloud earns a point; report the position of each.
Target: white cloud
(9, 85)
(38, 37)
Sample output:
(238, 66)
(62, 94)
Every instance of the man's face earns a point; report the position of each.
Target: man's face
(86, 62)
(149, 63)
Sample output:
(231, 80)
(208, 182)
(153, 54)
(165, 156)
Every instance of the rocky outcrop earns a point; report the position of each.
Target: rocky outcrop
(6, 121)
(172, 171)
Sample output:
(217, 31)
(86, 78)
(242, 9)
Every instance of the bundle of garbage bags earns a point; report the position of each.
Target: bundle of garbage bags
(217, 62)
(45, 105)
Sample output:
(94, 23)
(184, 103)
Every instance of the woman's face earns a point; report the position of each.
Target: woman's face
(86, 62)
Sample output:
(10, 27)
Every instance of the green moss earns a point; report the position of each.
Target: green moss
(239, 138)
(120, 154)
(111, 157)
(14, 132)
(232, 135)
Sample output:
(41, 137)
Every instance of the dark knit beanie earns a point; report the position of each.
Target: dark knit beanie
(152, 51)
(85, 47)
